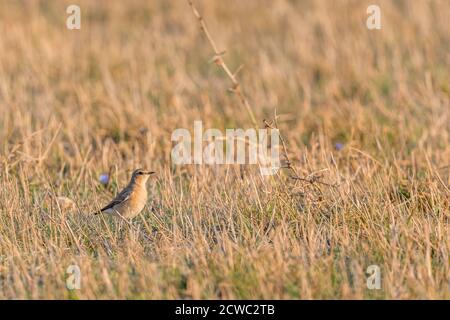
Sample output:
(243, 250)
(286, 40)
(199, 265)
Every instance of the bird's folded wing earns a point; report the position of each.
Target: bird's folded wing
(123, 196)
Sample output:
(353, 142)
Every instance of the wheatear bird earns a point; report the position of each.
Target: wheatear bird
(131, 200)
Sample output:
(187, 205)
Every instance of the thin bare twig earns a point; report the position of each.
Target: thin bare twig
(288, 164)
(217, 59)
(236, 89)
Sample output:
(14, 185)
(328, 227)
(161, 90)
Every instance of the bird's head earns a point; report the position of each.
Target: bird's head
(141, 175)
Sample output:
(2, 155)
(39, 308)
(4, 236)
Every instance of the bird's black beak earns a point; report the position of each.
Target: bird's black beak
(150, 173)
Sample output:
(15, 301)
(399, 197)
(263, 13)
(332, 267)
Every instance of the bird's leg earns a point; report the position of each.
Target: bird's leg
(133, 227)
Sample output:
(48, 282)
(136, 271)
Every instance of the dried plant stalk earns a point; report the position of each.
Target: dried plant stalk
(236, 88)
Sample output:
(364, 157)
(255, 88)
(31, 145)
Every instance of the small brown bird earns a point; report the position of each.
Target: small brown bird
(131, 200)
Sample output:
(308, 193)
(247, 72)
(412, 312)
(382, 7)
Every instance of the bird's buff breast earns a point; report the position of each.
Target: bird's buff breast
(133, 206)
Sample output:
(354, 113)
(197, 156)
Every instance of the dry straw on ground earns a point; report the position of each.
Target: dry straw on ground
(74, 104)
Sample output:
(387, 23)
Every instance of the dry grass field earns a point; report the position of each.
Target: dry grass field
(367, 111)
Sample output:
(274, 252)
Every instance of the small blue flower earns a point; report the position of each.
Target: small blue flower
(339, 146)
(104, 179)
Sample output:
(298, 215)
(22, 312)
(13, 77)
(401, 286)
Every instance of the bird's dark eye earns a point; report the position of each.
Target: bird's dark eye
(140, 173)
